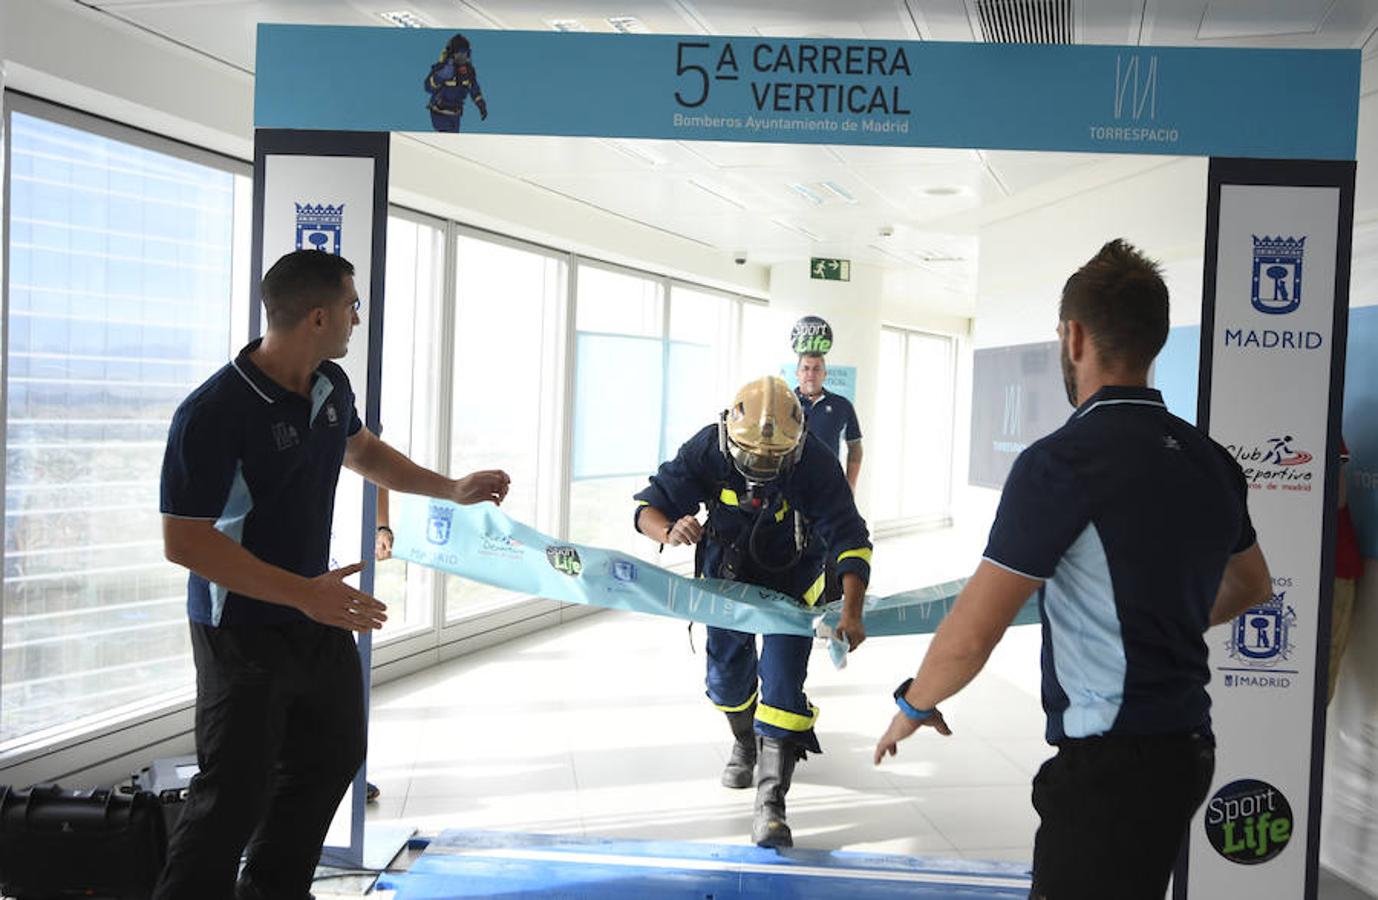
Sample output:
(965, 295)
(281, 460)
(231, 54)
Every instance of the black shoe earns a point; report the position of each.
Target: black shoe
(775, 761)
(739, 770)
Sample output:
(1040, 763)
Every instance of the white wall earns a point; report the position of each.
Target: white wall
(1026, 259)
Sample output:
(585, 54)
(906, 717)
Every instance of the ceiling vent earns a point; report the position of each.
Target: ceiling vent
(1026, 21)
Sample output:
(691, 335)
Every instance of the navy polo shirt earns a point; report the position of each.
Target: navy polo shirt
(1129, 515)
(830, 418)
(262, 463)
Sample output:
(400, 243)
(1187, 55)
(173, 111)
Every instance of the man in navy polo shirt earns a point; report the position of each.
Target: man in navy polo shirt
(1133, 528)
(248, 493)
(829, 417)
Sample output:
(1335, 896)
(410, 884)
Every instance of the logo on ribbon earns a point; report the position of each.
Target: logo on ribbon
(564, 560)
(438, 524)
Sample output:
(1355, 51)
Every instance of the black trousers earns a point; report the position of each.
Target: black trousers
(1114, 812)
(280, 733)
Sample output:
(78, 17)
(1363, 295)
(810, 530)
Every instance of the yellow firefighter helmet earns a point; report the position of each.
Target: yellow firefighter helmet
(763, 431)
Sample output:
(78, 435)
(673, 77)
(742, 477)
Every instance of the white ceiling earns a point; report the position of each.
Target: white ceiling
(741, 196)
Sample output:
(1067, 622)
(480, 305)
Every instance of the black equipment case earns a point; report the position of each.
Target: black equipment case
(98, 843)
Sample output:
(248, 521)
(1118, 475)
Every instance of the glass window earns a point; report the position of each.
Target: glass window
(912, 444)
(619, 398)
(643, 387)
(121, 266)
(414, 286)
(505, 384)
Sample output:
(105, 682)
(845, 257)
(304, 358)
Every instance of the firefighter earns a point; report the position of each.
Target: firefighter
(450, 81)
(769, 489)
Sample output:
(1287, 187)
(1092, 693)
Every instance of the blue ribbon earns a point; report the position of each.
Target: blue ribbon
(482, 543)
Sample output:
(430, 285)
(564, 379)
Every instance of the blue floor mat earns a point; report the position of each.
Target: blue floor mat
(467, 864)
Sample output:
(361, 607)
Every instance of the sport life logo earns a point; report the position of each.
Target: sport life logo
(1248, 821)
(1277, 274)
(564, 560)
(623, 571)
(319, 227)
(438, 524)
(1262, 636)
(811, 335)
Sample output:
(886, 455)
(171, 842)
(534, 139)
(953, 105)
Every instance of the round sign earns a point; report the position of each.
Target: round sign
(1248, 821)
(811, 335)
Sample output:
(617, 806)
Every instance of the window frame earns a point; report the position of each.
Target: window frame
(68, 746)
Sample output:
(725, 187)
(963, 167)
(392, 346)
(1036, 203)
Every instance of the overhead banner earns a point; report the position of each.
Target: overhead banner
(1276, 301)
(328, 191)
(1297, 104)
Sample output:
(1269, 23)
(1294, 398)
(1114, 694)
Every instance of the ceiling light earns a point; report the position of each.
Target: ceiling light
(838, 191)
(798, 229)
(717, 192)
(628, 25)
(566, 24)
(403, 18)
(942, 191)
(636, 152)
(806, 192)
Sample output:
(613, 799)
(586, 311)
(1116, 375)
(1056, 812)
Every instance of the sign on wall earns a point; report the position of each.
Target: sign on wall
(1017, 397)
(1103, 99)
(1273, 338)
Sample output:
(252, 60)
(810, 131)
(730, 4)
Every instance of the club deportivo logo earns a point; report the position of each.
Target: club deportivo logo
(1248, 822)
(623, 571)
(564, 560)
(1275, 464)
(501, 546)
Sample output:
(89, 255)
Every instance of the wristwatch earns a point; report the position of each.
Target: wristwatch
(911, 712)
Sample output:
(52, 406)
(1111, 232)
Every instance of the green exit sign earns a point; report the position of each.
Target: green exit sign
(830, 269)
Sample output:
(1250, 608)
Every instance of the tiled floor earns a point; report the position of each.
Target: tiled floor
(601, 728)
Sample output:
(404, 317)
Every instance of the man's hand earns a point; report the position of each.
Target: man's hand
(852, 630)
(330, 601)
(476, 487)
(901, 727)
(686, 531)
(482, 109)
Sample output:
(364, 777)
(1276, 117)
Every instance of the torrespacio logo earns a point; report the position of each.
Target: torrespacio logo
(1248, 821)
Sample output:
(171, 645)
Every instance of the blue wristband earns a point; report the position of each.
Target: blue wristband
(911, 712)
